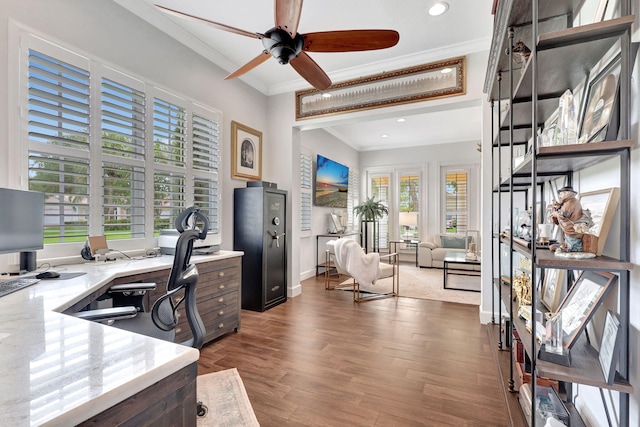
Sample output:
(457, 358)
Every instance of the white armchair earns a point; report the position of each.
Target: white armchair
(349, 259)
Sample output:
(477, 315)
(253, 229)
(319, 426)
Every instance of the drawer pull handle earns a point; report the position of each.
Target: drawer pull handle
(221, 325)
(221, 287)
(220, 299)
(221, 274)
(275, 288)
(221, 312)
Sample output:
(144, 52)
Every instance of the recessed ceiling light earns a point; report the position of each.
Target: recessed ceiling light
(438, 8)
(384, 135)
(446, 70)
(400, 120)
(326, 95)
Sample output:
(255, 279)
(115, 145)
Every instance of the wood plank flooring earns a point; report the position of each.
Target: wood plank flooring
(321, 360)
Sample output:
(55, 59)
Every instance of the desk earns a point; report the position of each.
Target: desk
(60, 370)
(330, 236)
(393, 246)
(451, 257)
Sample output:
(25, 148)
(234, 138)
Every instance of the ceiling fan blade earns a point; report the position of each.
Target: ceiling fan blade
(310, 71)
(349, 40)
(264, 55)
(287, 15)
(212, 23)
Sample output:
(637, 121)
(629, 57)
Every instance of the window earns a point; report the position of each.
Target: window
(409, 215)
(114, 155)
(306, 167)
(380, 189)
(456, 201)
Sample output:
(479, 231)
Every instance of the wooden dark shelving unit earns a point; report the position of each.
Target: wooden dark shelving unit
(561, 58)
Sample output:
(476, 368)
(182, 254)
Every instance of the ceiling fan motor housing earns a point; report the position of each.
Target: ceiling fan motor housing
(281, 46)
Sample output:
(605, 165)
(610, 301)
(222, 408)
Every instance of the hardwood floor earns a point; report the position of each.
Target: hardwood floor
(321, 360)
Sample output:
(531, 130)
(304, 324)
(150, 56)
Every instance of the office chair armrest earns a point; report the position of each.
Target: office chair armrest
(107, 314)
(132, 287)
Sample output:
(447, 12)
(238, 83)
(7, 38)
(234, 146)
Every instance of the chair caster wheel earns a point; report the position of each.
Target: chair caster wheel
(201, 409)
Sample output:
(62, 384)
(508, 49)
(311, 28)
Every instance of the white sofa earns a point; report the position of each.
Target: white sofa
(431, 252)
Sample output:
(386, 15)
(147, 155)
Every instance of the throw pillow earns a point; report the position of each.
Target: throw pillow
(453, 242)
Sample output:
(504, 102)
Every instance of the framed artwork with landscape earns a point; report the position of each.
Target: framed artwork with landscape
(246, 152)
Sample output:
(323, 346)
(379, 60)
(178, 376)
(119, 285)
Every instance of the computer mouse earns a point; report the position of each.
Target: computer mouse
(48, 275)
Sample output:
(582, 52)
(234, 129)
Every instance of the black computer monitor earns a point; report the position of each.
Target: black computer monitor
(21, 220)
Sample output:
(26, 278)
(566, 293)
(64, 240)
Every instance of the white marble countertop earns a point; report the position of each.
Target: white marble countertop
(60, 370)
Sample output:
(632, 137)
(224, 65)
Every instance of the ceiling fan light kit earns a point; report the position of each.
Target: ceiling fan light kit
(287, 46)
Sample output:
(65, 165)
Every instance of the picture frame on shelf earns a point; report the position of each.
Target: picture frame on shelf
(552, 288)
(581, 302)
(599, 121)
(602, 204)
(549, 133)
(609, 346)
(246, 152)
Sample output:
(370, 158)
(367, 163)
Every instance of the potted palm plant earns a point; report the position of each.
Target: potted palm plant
(369, 212)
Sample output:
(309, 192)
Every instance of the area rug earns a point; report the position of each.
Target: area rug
(426, 283)
(226, 399)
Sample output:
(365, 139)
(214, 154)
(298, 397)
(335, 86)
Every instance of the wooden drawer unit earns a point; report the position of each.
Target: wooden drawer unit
(218, 296)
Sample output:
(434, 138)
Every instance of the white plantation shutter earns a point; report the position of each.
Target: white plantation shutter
(354, 197)
(59, 114)
(123, 122)
(306, 180)
(456, 201)
(205, 163)
(112, 153)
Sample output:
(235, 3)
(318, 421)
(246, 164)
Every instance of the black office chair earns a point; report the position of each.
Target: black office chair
(162, 320)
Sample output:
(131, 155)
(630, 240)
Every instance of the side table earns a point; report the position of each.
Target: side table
(393, 246)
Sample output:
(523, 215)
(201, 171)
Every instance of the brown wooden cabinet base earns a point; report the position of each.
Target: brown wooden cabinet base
(169, 402)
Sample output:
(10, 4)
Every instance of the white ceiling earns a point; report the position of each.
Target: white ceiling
(466, 28)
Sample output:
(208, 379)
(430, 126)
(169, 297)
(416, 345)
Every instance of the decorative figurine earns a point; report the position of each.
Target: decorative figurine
(522, 289)
(572, 220)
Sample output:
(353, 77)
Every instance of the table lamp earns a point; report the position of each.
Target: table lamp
(408, 220)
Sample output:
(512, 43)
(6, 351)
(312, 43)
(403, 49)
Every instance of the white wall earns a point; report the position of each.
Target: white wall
(321, 142)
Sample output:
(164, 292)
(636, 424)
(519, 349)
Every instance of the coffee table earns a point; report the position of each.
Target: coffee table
(459, 258)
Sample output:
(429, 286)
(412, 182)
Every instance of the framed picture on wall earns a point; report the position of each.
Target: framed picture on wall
(246, 152)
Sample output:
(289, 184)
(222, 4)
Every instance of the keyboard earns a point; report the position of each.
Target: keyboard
(12, 285)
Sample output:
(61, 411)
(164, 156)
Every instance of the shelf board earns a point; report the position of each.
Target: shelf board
(517, 15)
(585, 366)
(547, 259)
(561, 160)
(567, 55)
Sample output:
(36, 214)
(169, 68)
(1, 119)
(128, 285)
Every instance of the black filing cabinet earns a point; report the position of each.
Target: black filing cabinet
(260, 212)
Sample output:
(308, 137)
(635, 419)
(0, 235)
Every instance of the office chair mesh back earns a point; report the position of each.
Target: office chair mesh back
(183, 278)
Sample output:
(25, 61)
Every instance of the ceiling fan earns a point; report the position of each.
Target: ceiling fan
(286, 45)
